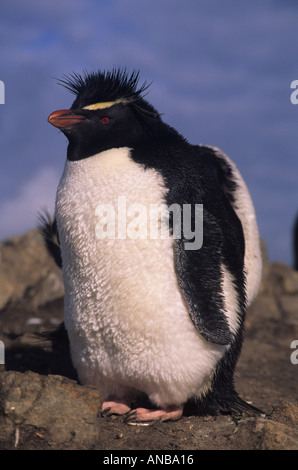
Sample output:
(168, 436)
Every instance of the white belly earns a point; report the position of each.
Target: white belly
(126, 318)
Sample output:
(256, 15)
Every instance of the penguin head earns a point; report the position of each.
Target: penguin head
(109, 112)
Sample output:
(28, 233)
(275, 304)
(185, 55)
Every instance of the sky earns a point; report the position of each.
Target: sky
(220, 73)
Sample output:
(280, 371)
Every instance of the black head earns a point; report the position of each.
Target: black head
(109, 111)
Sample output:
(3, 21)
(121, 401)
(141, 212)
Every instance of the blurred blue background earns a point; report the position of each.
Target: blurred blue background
(221, 74)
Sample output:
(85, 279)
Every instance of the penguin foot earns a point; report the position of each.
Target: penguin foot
(109, 408)
(145, 416)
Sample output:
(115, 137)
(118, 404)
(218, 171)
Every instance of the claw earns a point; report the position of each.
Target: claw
(106, 412)
(132, 419)
(114, 408)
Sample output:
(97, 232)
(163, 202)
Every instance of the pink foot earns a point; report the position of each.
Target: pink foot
(144, 416)
(116, 407)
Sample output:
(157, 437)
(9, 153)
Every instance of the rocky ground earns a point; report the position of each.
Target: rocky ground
(42, 406)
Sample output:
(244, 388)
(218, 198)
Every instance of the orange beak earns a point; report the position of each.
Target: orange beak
(64, 118)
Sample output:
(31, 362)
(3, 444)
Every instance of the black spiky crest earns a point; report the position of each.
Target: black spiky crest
(96, 87)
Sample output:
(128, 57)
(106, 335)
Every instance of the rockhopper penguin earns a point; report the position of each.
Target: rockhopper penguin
(150, 316)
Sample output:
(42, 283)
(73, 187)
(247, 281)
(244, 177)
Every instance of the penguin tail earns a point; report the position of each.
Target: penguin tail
(216, 404)
(47, 227)
(235, 405)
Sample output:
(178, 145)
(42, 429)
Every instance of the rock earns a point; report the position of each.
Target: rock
(265, 434)
(283, 279)
(289, 307)
(266, 265)
(277, 431)
(27, 272)
(50, 409)
(272, 435)
(286, 413)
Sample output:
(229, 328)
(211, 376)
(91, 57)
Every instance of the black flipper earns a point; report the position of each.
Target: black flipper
(200, 271)
(199, 278)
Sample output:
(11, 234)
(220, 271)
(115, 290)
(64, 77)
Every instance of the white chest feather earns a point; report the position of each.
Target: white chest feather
(126, 318)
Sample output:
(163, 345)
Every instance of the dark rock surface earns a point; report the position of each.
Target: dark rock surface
(42, 406)
(27, 274)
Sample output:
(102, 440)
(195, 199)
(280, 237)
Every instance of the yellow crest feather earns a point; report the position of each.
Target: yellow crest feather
(104, 105)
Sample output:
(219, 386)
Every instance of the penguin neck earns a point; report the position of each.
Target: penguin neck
(149, 145)
(80, 150)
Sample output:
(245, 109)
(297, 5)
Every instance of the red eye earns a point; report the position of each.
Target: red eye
(105, 120)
